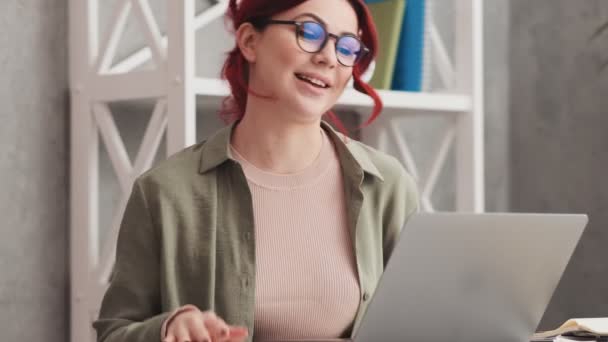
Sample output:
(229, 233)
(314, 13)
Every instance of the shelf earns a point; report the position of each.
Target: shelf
(211, 91)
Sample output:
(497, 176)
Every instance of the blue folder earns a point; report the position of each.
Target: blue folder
(409, 65)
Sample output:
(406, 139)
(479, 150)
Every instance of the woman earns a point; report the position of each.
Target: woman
(276, 226)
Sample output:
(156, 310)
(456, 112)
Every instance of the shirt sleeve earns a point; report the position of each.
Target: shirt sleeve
(131, 307)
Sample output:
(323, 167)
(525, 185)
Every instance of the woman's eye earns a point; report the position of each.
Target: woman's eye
(348, 46)
(345, 51)
(312, 31)
(311, 34)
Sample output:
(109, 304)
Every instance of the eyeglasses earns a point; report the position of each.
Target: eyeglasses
(312, 37)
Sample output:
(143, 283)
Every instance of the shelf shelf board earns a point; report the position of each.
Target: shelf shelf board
(212, 91)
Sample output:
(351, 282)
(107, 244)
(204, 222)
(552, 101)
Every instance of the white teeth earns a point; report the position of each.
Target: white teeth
(313, 80)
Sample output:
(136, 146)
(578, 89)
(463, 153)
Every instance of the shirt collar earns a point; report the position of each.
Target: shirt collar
(216, 150)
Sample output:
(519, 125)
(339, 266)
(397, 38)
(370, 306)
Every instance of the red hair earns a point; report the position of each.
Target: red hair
(235, 68)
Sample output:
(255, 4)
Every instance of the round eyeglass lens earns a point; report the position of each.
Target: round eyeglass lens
(311, 36)
(348, 49)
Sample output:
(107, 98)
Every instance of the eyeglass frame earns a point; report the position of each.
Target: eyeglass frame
(298, 23)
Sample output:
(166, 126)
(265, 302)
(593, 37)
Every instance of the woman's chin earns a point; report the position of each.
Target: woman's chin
(306, 111)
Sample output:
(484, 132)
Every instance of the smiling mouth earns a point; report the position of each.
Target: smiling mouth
(313, 82)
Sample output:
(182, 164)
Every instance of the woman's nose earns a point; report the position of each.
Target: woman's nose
(327, 55)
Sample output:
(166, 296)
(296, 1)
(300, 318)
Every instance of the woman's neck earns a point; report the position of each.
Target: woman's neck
(277, 145)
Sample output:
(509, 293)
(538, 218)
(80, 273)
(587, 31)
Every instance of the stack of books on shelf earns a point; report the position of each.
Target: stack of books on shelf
(401, 31)
(576, 329)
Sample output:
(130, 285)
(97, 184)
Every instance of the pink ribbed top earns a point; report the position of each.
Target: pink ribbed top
(306, 276)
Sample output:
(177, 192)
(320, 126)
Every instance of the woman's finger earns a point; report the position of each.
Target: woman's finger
(182, 334)
(169, 338)
(238, 334)
(237, 339)
(217, 327)
(198, 330)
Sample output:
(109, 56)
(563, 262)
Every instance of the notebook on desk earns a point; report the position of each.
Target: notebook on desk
(469, 277)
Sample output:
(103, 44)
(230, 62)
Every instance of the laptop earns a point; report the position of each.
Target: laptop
(469, 277)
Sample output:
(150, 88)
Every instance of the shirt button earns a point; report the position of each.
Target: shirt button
(365, 296)
(245, 282)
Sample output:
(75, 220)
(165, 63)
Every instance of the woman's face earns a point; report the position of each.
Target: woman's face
(280, 62)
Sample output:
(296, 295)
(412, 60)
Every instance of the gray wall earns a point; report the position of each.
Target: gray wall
(33, 171)
(559, 139)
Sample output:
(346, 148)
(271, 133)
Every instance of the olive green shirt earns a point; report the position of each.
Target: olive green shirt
(187, 236)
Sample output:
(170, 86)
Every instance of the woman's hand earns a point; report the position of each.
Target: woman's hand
(198, 326)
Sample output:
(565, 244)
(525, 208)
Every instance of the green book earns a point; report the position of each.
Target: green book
(388, 17)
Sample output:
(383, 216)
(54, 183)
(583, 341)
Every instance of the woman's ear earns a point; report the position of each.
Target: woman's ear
(246, 39)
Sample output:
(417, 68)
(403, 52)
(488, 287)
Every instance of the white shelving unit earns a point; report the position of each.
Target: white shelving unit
(95, 81)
